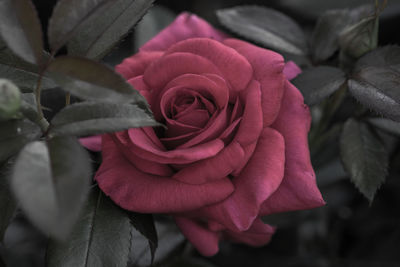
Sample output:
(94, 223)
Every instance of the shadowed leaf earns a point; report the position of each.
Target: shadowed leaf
(89, 118)
(21, 30)
(99, 33)
(50, 180)
(7, 202)
(102, 237)
(144, 223)
(318, 83)
(266, 27)
(386, 125)
(91, 80)
(364, 157)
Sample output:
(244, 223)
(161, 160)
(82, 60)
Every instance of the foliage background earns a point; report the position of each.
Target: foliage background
(346, 232)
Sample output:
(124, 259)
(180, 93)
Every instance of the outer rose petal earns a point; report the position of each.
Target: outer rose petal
(204, 240)
(298, 189)
(92, 143)
(258, 235)
(135, 65)
(268, 67)
(258, 180)
(185, 26)
(291, 70)
(134, 190)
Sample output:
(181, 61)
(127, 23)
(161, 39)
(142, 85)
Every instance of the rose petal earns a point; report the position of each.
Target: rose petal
(258, 180)
(92, 143)
(136, 65)
(298, 189)
(234, 67)
(134, 190)
(213, 168)
(185, 26)
(268, 67)
(138, 141)
(291, 70)
(204, 240)
(258, 235)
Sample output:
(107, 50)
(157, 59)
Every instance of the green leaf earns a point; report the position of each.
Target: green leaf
(68, 15)
(102, 237)
(318, 83)
(7, 202)
(383, 57)
(22, 73)
(94, 81)
(378, 88)
(361, 37)
(90, 118)
(50, 180)
(144, 223)
(190, 262)
(21, 30)
(266, 27)
(364, 157)
(386, 125)
(98, 34)
(14, 135)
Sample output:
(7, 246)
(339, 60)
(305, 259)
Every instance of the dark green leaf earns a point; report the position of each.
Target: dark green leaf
(90, 118)
(68, 15)
(265, 26)
(91, 80)
(22, 73)
(14, 135)
(318, 83)
(99, 33)
(386, 125)
(324, 39)
(378, 88)
(51, 180)
(191, 262)
(144, 223)
(152, 23)
(364, 157)
(102, 237)
(20, 28)
(383, 57)
(7, 202)
(360, 38)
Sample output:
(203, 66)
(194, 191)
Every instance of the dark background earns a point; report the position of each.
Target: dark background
(346, 232)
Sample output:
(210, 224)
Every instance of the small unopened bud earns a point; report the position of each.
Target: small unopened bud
(10, 99)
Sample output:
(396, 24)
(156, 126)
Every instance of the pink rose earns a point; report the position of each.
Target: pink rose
(236, 144)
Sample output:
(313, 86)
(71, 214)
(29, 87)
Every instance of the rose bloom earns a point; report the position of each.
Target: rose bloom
(235, 147)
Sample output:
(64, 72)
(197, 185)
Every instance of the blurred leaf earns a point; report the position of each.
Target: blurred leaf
(360, 38)
(265, 26)
(378, 88)
(318, 83)
(324, 39)
(20, 28)
(156, 19)
(386, 125)
(364, 157)
(14, 135)
(90, 118)
(383, 57)
(99, 33)
(7, 202)
(68, 15)
(144, 223)
(91, 80)
(10, 99)
(51, 180)
(102, 237)
(22, 73)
